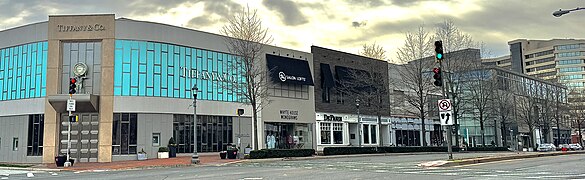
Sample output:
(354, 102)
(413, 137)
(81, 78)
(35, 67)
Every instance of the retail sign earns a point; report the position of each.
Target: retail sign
(445, 105)
(331, 118)
(70, 104)
(284, 77)
(81, 28)
(446, 118)
(206, 75)
(289, 114)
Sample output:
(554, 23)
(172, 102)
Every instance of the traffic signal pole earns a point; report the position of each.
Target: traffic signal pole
(440, 56)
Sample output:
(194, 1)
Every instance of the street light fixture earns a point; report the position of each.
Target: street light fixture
(357, 105)
(195, 156)
(561, 12)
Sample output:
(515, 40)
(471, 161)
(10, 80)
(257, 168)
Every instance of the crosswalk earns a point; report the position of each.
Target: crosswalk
(412, 168)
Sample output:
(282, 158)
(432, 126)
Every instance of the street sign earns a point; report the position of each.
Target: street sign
(445, 105)
(71, 105)
(446, 118)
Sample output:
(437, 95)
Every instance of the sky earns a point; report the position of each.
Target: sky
(344, 25)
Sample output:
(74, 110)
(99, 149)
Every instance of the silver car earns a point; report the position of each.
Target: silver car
(575, 147)
(546, 147)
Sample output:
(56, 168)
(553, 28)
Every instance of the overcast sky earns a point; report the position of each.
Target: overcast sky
(336, 24)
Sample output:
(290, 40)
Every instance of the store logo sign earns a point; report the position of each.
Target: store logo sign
(206, 75)
(80, 28)
(331, 118)
(283, 77)
(289, 114)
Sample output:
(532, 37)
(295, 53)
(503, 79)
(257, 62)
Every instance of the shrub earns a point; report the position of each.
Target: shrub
(163, 149)
(279, 153)
(487, 149)
(371, 150)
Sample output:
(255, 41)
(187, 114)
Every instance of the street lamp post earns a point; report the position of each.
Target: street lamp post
(561, 12)
(195, 156)
(357, 105)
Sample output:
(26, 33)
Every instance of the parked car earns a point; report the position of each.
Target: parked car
(575, 147)
(566, 147)
(546, 147)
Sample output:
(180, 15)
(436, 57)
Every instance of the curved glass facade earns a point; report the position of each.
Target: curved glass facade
(143, 68)
(23, 71)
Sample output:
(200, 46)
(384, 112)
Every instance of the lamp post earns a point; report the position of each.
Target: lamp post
(195, 156)
(561, 12)
(357, 105)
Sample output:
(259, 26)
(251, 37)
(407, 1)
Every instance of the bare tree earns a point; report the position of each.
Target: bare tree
(480, 86)
(454, 40)
(373, 51)
(527, 111)
(577, 111)
(246, 38)
(415, 76)
(502, 104)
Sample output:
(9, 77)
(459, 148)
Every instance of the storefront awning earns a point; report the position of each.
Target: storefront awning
(84, 102)
(288, 70)
(326, 76)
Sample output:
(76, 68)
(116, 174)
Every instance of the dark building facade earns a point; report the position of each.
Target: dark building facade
(338, 116)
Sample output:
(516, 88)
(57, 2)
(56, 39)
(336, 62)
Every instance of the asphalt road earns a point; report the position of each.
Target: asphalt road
(373, 167)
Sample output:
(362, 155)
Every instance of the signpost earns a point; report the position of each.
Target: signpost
(446, 118)
(70, 107)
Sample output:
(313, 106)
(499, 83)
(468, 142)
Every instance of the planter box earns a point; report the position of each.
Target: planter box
(163, 155)
(142, 156)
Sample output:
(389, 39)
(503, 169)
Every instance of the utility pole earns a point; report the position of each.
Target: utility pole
(195, 156)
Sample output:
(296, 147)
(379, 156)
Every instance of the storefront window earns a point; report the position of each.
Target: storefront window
(366, 131)
(325, 133)
(338, 133)
(287, 136)
(373, 134)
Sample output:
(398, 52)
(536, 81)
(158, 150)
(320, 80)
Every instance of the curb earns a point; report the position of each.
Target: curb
(330, 157)
(31, 169)
(500, 158)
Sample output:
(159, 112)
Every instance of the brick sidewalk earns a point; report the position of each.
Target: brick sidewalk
(206, 159)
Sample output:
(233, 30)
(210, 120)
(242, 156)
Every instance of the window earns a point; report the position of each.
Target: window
(569, 54)
(15, 144)
(325, 133)
(280, 89)
(35, 135)
(569, 46)
(570, 61)
(337, 133)
(23, 71)
(570, 77)
(155, 139)
(366, 130)
(373, 134)
(124, 133)
(571, 69)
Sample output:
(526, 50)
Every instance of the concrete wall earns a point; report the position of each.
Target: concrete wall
(15, 127)
(22, 106)
(24, 34)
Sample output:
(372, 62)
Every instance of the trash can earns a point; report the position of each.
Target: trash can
(60, 160)
(223, 154)
(232, 154)
(172, 151)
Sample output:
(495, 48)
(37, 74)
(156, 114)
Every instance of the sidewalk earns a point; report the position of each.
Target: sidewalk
(205, 159)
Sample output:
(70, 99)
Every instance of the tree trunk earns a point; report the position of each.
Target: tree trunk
(558, 133)
(496, 132)
(422, 122)
(580, 136)
(255, 127)
(481, 125)
(381, 142)
(504, 137)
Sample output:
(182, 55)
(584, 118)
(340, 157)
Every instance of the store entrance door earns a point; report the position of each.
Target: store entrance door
(84, 137)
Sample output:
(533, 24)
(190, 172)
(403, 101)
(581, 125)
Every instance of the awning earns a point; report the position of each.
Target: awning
(326, 76)
(84, 102)
(289, 70)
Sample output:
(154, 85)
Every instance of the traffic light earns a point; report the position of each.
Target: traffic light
(72, 85)
(439, 50)
(437, 77)
(73, 118)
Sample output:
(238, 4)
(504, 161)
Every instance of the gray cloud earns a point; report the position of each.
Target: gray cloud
(288, 10)
(369, 3)
(223, 8)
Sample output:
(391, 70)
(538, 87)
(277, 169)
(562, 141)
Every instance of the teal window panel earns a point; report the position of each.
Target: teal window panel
(149, 68)
(157, 87)
(134, 67)
(142, 85)
(170, 86)
(164, 67)
(118, 66)
(142, 52)
(157, 53)
(163, 92)
(149, 91)
(133, 91)
(126, 84)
